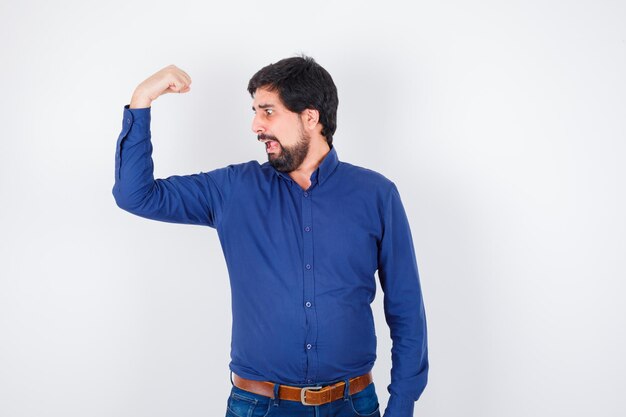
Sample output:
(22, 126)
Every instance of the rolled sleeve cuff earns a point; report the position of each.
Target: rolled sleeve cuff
(399, 407)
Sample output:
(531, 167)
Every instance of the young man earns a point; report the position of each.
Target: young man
(303, 236)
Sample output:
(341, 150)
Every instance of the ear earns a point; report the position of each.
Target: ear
(310, 118)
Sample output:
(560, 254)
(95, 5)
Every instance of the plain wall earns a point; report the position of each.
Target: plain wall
(502, 124)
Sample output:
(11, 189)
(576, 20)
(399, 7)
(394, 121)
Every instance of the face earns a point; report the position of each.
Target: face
(281, 130)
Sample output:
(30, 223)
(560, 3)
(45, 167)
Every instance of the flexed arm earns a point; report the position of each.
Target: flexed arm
(191, 199)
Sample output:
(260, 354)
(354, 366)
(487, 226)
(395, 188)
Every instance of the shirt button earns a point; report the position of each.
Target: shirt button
(308, 229)
(306, 194)
(308, 266)
(308, 346)
(128, 121)
(308, 304)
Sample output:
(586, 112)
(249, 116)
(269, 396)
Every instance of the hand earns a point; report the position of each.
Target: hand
(170, 79)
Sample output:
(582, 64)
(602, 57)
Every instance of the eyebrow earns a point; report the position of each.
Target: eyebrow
(263, 106)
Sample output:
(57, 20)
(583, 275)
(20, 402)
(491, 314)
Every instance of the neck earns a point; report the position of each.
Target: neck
(318, 150)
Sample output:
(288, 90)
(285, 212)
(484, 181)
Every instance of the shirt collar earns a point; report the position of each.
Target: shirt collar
(323, 171)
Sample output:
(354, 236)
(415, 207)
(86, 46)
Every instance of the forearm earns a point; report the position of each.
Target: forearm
(134, 177)
(409, 356)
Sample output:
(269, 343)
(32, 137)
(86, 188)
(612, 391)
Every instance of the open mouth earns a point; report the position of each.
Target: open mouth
(271, 146)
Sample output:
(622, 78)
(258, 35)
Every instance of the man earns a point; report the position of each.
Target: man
(303, 235)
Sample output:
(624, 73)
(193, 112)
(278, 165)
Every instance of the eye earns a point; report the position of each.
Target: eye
(269, 111)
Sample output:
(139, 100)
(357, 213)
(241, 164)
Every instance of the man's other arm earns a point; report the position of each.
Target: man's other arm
(404, 310)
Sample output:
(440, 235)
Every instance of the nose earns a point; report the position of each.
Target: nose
(257, 126)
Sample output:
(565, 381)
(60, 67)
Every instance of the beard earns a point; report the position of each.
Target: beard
(290, 158)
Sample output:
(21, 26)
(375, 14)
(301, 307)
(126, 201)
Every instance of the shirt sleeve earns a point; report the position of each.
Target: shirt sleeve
(192, 199)
(404, 310)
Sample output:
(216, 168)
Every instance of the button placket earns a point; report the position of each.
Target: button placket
(309, 285)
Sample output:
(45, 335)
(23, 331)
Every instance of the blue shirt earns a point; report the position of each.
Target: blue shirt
(302, 263)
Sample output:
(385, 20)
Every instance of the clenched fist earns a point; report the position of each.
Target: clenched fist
(170, 79)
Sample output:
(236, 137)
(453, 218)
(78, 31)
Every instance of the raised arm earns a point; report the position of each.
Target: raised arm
(192, 199)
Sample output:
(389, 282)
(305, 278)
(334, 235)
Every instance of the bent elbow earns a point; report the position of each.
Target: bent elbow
(125, 200)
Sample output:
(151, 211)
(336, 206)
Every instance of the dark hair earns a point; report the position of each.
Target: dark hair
(301, 84)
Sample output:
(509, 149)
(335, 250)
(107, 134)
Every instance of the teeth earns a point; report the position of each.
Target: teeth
(269, 143)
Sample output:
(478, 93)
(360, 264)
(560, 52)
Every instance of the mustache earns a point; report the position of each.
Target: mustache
(263, 136)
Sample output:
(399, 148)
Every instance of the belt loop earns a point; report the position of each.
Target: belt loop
(276, 399)
(346, 392)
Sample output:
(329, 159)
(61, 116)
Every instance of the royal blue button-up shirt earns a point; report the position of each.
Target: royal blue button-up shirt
(302, 263)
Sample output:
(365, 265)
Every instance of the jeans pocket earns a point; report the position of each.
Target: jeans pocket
(247, 404)
(365, 403)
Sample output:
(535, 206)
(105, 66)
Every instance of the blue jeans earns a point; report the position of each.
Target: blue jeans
(243, 403)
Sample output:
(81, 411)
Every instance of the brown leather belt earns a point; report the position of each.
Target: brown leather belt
(306, 395)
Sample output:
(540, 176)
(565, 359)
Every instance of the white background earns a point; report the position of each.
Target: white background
(502, 123)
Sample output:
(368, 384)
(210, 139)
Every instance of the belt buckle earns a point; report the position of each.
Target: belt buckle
(303, 394)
